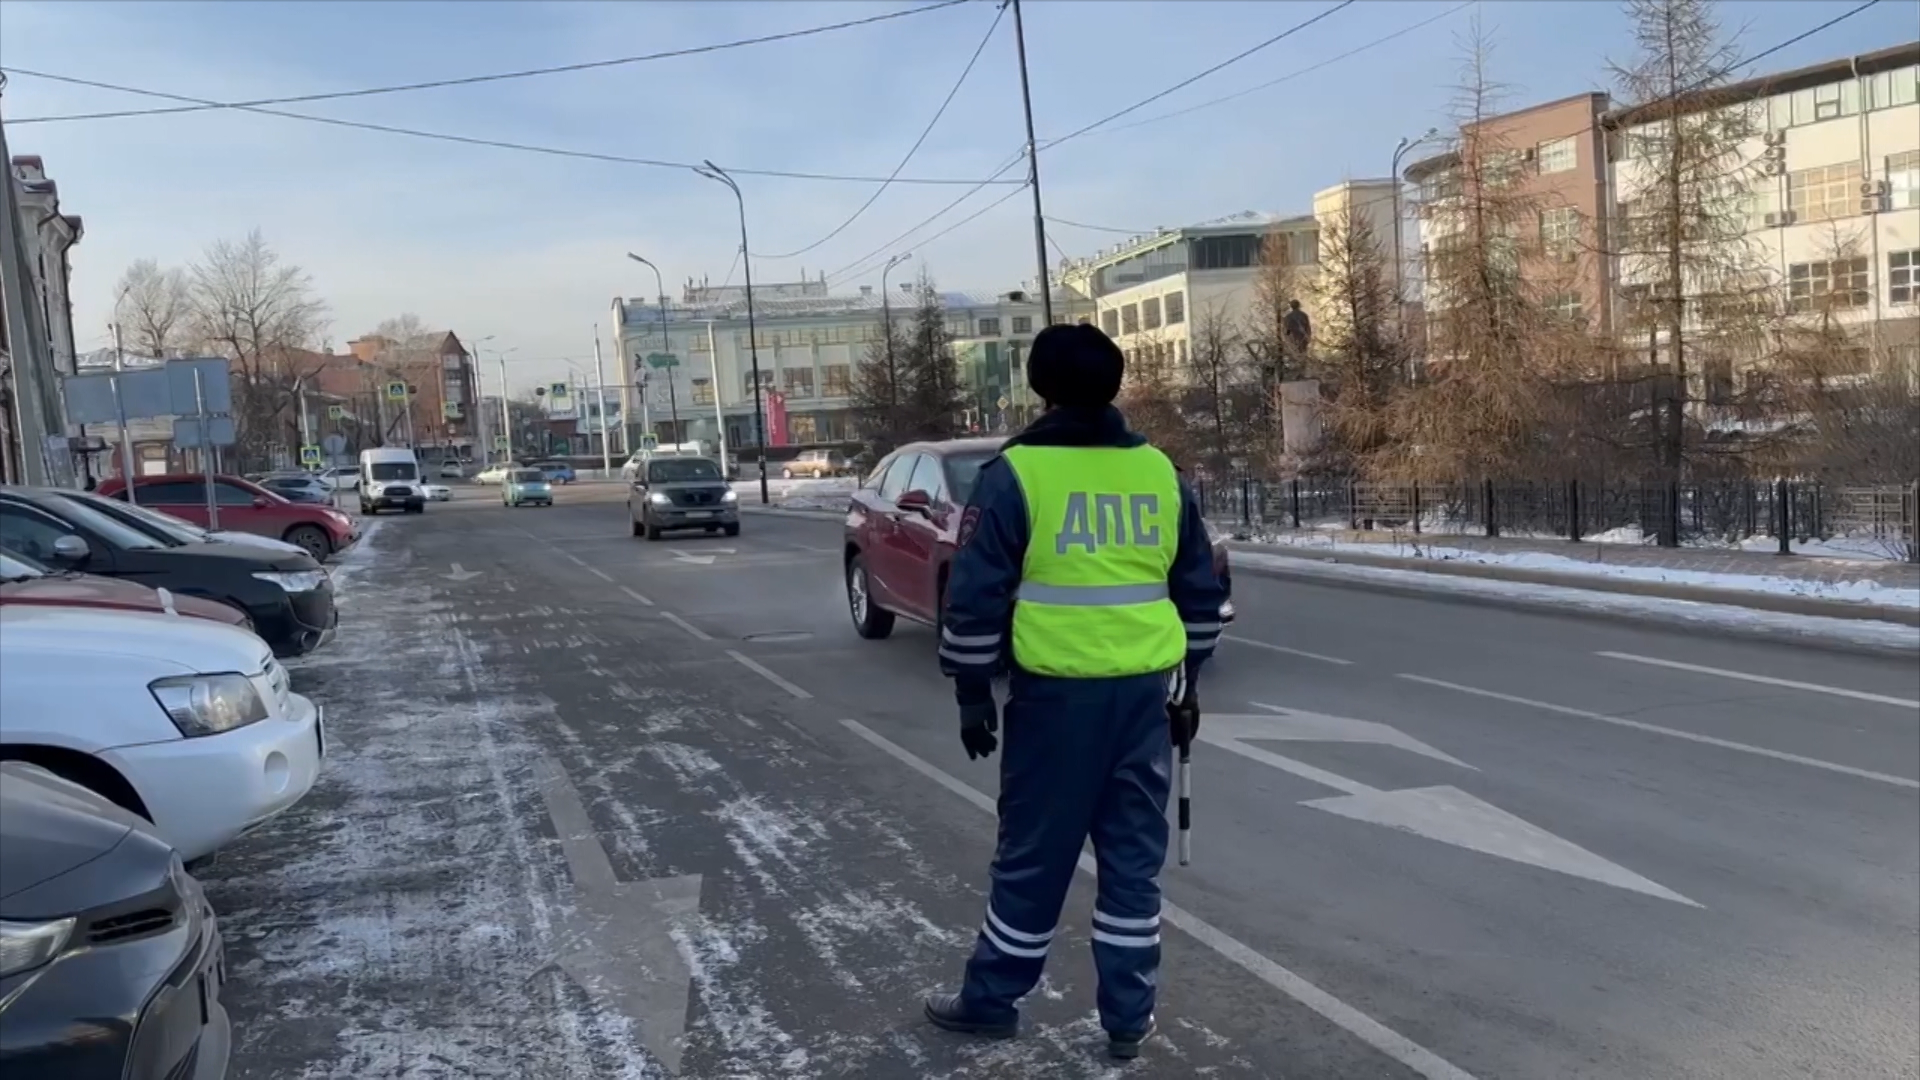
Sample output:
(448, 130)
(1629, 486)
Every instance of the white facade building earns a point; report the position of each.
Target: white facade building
(1835, 211)
(50, 237)
(808, 345)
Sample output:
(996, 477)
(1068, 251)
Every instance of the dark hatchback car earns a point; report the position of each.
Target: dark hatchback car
(305, 490)
(682, 493)
(286, 593)
(111, 964)
(902, 531)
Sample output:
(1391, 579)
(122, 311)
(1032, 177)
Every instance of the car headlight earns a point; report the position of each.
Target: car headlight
(209, 704)
(294, 581)
(659, 498)
(730, 496)
(26, 945)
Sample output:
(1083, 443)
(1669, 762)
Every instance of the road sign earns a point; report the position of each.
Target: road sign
(336, 412)
(558, 389)
(396, 391)
(500, 442)
(309, 455)
(1004, 401)
(649, 442)
(662, 360)
(334, 445)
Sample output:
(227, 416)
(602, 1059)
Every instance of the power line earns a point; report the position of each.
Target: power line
(1290, 76)
(887, 249)
(500, 144)
(917, 143)
(473, 80)
(1097, 228)
(995, 204)
(1190, 80)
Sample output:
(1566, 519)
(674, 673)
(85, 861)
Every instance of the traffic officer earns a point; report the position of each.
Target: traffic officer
(1084, 561)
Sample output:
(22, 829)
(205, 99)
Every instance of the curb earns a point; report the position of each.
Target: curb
(1703, 594)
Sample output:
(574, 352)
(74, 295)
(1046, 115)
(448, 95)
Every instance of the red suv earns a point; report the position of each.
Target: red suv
(244, 507)
(902, 527)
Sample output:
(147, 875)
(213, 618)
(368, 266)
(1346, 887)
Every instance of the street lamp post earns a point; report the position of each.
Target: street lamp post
(886, 315)
(1399, 260)
(666, 349)
(715, 173)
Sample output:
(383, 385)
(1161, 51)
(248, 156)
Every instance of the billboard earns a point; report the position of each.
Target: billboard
(776, 406)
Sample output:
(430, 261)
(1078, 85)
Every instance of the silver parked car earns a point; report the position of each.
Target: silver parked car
(682, 493)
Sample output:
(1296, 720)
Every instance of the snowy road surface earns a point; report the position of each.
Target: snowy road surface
(601, 807)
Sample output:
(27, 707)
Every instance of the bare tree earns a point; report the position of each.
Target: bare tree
(1223, 402)
(1693, 281)
(1150, 395)
(262, 314)
(153, 308)
(1361, 359)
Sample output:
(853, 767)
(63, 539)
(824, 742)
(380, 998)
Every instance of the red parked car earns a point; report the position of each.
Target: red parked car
(24, 581)
(244, 507)
(902, 526)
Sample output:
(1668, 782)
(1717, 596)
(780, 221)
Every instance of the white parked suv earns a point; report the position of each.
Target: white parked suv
(187, 722)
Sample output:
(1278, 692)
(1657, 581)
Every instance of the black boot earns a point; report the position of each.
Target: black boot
(947, 1012)
(1125, 1045)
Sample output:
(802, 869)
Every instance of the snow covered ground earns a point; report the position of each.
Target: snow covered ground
(802, 494)
(1853, 591)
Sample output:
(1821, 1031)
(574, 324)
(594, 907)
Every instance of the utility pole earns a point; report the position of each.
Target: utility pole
(600, 392)
(715, 173)
(1033, 171)
(120, 412)
(886, 316)
(506, 420)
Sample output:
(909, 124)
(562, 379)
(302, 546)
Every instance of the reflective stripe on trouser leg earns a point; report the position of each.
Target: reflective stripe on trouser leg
(1052, 769)
(1130, 847)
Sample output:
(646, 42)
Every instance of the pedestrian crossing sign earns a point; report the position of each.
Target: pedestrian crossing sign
(309, 455)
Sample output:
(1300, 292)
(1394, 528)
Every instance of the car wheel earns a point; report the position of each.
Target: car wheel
(313, 539)
(786, 474)
(733, 530)
(653, 532)
(869, 620)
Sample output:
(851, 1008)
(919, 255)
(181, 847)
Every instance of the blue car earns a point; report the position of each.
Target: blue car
(558, 472)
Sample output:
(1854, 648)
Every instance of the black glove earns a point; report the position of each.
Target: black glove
(978, 721)
(1183, 717)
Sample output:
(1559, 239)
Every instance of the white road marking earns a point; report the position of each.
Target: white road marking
(461, 573)
(1237, 639)
(685, 625)
(599, 573)
(1656, 729)
(577, 560)
(1768, 680)
(636, 596)
(1363, 1027)
(1296, 725)
(696, 560)
(770, 675)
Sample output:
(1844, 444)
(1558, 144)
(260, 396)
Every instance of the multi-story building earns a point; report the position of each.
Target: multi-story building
(439, 413)
(1553, 160)
(50, 238)
(809, 344)
(41, 264)
(1833, 214)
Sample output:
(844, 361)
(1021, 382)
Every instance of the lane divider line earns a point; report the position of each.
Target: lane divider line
(1766, 680)
(685, 625)
(636, 596)
(1237, 639)
(1674, 733)
(1356, 1023)
(769, 674)
(599, 573)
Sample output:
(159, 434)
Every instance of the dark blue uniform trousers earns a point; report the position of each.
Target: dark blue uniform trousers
(1082, 758)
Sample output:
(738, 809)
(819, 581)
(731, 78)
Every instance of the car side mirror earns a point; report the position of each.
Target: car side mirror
(917, 501)
(260, 502)
(71, 549)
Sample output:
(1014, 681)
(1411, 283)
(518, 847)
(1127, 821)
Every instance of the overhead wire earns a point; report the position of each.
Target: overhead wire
(1095, 228)
(473, 80)
(911, 151)
(528, 148)
(887, 249)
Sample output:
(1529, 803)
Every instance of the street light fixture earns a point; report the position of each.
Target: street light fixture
(718, 175)
(1399, 260)
(665, 349)
(886, 314)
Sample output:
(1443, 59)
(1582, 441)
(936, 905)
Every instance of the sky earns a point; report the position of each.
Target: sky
(529, 249)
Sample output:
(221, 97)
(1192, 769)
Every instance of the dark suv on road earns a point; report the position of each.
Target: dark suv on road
(902, 527)
(682, 493)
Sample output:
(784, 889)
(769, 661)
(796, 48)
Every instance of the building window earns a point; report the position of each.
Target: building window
(836, 380)
(1903, 277)
(1023, 324)
(1560, 232)
(1559, 155)
(802, 428)
(703, 391)
(1110, 322)
(989, 327)
(1824, 194)
(1830, 285)
(1565, 306)
(1150, 313)
(797, 382)
(746, 383)
(1176, 304)
(1130, 319)
(1903, 180)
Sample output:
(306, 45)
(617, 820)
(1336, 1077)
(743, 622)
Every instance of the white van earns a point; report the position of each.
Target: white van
(389, 478)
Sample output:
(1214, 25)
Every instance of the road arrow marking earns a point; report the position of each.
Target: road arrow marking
(618, 943)
(460, 574)
(696, 560)
(1293, 725)
(1446, 814)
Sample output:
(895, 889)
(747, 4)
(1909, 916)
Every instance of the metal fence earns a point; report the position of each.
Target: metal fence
(1878, 518)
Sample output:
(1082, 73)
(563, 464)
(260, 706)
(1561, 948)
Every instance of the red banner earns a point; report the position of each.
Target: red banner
(776, 418)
